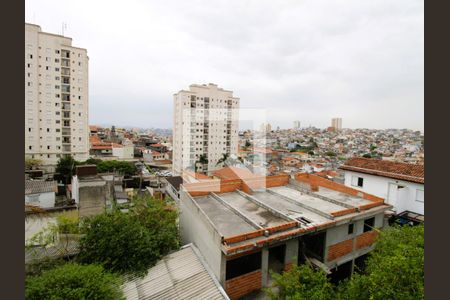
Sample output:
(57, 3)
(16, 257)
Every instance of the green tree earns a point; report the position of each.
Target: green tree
(330, 153)
(31, 163)
(397, 264)
(140, 237)
(302, 282)
(73, 282)
(66, 168)
(124, 167)
(223, 159)
(367, 155)
(247, 144)
(202, 159)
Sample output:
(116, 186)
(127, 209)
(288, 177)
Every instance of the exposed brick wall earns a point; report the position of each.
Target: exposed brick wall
(230, 185)
(243, 285)
(340, 249)
(288, 266)
(343, 212)
(281, 227)
(366, 239)
(242, 237)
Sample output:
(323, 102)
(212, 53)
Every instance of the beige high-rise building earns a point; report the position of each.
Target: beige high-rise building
(56, 97)
(206, 122)
(336, 123)
(265, 127)
(296, 125)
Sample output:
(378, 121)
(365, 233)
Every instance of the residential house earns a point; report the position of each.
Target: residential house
(401, 184)
(40, 193)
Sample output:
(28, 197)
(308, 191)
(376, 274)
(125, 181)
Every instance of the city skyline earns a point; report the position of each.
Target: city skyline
(364, 58)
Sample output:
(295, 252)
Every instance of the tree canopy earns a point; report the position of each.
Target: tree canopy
(66, 167)
(394, 270)
(140, 237)
(72, 282)
(302, 282)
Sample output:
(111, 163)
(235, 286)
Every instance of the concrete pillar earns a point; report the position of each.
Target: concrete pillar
(265, 266)
(223, 269)
(291, 252)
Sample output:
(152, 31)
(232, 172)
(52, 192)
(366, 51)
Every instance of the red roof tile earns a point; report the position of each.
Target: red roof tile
(396, 170)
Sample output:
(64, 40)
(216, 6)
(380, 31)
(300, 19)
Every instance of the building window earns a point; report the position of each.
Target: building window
(48, 147)
(350, 228)
(420, 197)
(357, 181)
(369, 224)
(30, 147)
(29, 129)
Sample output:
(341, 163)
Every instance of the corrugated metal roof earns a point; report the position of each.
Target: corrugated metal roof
(40, 186)
(180, 275)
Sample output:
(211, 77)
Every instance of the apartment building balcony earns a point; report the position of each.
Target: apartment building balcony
(65, 54)
(66, 148)
(65, 71)
(65, 62)
(65, 132)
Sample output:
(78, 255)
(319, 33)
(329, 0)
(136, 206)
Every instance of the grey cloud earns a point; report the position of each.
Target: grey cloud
(305, 60)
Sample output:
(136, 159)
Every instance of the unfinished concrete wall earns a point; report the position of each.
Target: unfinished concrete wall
(196, 229)
(92, 198)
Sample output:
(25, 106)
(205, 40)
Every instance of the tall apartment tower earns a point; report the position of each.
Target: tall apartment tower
(336, 123)
(296, 125)
(206, 122)
(56, 97)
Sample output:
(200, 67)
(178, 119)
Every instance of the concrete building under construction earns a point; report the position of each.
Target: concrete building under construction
(246, 227)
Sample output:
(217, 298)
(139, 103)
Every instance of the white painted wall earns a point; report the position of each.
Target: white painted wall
(379, 186)
(44, 200)
(196, 229)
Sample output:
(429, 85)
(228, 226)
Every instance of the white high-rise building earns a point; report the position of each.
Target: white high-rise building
(336, 123)
(206, 122)
(297, 125)
(56, 97)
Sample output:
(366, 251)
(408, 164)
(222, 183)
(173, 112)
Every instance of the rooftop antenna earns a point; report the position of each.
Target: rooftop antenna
(63, 26)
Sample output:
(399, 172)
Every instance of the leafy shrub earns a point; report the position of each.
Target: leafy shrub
(74, 282)
(140, 237)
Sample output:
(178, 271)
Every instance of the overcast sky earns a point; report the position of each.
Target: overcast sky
(300, 60)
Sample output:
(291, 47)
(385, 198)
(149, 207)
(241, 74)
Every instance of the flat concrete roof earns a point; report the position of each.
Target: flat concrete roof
(227, 222)
(289, 209)
(256, 213)
(311, 201)
(342, 197)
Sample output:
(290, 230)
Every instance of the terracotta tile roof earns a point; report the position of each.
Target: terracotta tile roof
(396, 170)
(234, 173)
(93, 128)
(94, 139)
(104, 146)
